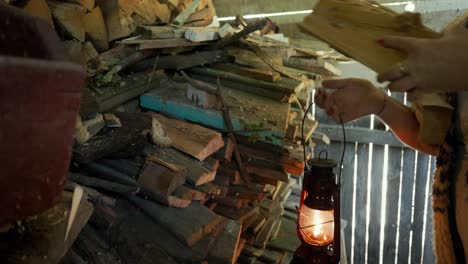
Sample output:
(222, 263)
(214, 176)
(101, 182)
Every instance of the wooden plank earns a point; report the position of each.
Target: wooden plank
(195, 172)
(259, 74)
(406, 204)
(266, 173)
(375, 203)
(421, 192)
(225, 248)
(393, 200)
(192, 139)
(360, 231)
(119, 24)
(189, 225)
(160, 179)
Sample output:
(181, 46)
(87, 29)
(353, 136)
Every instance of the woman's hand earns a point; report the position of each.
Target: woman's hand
(350, 100)
(433, 65)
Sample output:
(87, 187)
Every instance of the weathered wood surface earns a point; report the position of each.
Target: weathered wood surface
(182, 61)
(259, 74)
(170, 99)
(189, 225)
(192, 139)
(195, 172)
(311, 65)
(144, 44)
(160, 179)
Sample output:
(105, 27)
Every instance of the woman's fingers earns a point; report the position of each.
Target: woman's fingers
(396, 72)
(320, 97)
(404, 44)
(403, 85)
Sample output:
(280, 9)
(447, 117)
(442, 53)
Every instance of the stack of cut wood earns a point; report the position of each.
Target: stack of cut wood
(189, 137)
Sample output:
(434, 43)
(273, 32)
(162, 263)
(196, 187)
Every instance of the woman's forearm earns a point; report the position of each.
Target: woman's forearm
(404, 125)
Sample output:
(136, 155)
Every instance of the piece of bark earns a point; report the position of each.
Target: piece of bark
(71, 17)
(185, 14)
(95, 27)
(264, 75)
(312, 65)
(195, 140)
(160, 179)
(189, 225)
(225, 247)
(89, 128)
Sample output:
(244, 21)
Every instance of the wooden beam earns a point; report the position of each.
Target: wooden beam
(160, 32)
(161, 43)
(197, 141)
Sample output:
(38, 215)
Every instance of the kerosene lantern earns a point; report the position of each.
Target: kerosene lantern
(318, 214)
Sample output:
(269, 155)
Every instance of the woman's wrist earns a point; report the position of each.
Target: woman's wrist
(381, 103)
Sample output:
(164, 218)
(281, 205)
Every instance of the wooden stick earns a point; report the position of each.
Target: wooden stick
(228, 122)
(245, 32)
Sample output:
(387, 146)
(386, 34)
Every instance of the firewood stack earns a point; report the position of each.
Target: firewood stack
(189, 139)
